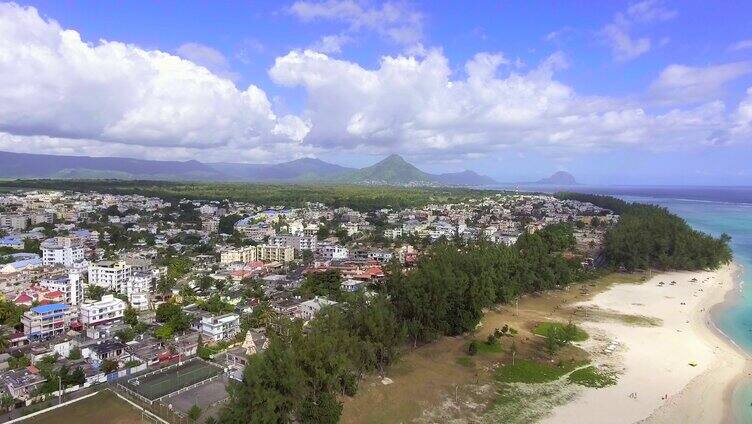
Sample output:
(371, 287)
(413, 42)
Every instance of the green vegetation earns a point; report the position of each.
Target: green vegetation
(357, 197)
(525, 371)
(466, 361)
(592, 377)
(650, 236)
(446, 292)
(569, 332)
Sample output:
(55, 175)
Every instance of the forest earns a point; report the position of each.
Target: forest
(648, 236)
(362, 198)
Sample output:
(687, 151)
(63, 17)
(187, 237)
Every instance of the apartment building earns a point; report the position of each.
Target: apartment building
(299, 243)
(71, 285)
(243, 254)
(218, 328)
(109, 309)
(267, 253)
(65, 251)
(112, 275)
(46, 321)
(15, 222)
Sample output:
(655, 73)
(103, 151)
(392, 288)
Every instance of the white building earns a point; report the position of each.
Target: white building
(71, 285)
(308, 309)
(138, 289)
(268, 253)
(111, 275)
(65, 251)
(222, 327)
(333, 251)
(107, 310)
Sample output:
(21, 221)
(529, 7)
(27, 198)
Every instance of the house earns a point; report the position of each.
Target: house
(308, 309)
(11, 242)
(22, 383)
(109, 349)
(218, 328)
(351, 286)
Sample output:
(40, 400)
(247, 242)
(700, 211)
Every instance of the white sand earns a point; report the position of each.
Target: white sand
(654, 361)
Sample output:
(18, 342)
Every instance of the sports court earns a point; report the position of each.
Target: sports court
(157, 384)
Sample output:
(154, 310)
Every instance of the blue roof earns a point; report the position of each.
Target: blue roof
(26, 262)
(52, 307)
(10, 240)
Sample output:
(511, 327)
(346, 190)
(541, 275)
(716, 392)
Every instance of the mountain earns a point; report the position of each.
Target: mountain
(306, 169)
(466, 178)
(27, 165)
(558, 178)
(393, 170)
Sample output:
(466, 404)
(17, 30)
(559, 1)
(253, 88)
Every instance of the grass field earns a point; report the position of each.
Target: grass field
(104, 407)
(160, 384)
(543, 329)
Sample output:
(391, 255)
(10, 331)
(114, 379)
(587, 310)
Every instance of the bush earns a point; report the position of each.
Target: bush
(472, 348)
(194, 412)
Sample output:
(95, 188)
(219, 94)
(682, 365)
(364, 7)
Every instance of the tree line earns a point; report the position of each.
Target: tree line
(649, 236)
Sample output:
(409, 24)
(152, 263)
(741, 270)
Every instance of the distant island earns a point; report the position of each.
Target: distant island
(559, 178)
(393, 170)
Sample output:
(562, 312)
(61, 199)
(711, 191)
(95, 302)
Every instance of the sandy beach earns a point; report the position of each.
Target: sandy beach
(673, 364)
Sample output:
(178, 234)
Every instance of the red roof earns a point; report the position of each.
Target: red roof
(23, 298)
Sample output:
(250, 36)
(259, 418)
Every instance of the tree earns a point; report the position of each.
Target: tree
(130, 316)
(553, 340)
(7, 401)
(194, 412)
(74, 354)
(108, 366)
(95, 292)
(78, 376)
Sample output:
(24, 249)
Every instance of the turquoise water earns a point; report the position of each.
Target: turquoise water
(734, 219)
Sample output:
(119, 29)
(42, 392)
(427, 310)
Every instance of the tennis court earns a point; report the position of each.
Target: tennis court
(160, 383)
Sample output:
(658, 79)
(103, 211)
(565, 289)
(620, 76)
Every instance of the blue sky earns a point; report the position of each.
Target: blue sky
(615, 92)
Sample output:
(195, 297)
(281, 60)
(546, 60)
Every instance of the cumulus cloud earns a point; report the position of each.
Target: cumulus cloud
(210, 58)
(57, 85)
(416, 105)
(394, 20)
(617, 34)
(679, 83)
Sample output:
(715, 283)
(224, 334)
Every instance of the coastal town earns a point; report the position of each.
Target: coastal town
(111, 290)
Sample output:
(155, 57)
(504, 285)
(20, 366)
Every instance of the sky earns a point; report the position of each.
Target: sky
(617, 92)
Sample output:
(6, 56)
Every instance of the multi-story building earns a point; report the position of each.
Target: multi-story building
(269, 253)
(103, 311)
(138, 289)
(71, 285)
(111, 275)
(333, 251)
(243, 254)
(47, 320)
(299, 243)
(16, 222)
(65, 251)
(222, 327)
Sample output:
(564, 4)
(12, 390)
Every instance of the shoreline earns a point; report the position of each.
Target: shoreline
(685, 369)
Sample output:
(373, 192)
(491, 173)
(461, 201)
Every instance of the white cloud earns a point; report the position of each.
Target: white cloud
(331, 43)
(741, 45)
(210, 58)
(743, 117)
(414, 105)
(679, 83)
(54, 84)
(394, 20)
(617, 34)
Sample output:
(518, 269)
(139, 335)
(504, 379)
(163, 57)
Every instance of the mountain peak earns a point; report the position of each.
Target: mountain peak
(559, 178)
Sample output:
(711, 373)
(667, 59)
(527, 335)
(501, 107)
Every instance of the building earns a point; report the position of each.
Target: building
(299, 243)
(12, 242)
(111, 275)
(138, 289)
(267, 253)
(65, 251)
(222, 327)
(243, 254)
(46, 321)
(15, 222)
(103, 311)
(308, 309)
(333, 251)
(71, 285)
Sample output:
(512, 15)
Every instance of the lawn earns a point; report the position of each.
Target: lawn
(525, 371)
(542, 329)
(104, 407)
(592, 377)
